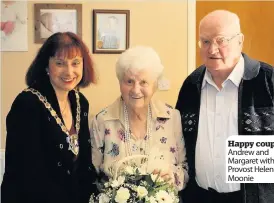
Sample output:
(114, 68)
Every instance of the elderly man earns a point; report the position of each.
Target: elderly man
(231, 94)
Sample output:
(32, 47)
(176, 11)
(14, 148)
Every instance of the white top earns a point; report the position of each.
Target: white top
(218, 120)
(166, 145)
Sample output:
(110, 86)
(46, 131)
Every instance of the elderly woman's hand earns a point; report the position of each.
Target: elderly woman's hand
(166, 175)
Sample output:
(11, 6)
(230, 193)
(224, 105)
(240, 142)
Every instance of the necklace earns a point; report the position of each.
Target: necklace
(73, 139)
(62, 112)
(128, 133)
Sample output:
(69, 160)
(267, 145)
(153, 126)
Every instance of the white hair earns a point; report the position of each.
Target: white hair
(139, 58)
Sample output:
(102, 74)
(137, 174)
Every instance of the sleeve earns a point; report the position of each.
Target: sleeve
(26, 172)
(180, 97)
(180, 168)
(87, 174)
(272, 81)
(97, 142)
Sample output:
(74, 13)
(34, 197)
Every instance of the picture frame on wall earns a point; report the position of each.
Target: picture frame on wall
(14, 26)
(110, 31)
(52, 18)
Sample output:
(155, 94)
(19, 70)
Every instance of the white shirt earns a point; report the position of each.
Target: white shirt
(218, 120)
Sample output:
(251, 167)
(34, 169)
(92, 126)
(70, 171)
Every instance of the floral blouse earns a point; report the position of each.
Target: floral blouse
(166, 142)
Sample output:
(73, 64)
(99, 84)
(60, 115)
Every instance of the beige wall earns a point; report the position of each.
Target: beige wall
(160, 24)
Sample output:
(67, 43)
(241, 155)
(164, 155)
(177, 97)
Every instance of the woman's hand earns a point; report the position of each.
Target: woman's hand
(166, 175)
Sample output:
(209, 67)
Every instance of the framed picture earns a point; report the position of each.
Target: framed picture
(52, 18)
(14, 26)
(110, 31)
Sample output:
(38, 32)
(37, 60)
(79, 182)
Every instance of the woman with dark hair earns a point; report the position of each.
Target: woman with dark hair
(48, 145)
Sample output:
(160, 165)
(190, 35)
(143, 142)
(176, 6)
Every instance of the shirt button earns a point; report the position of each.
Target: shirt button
(68, 172)
(59, 164)
(218, 176)
(61, 146)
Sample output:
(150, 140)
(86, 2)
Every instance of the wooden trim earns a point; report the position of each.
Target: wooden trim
(37, 20)
(191, 36)
(95, 40)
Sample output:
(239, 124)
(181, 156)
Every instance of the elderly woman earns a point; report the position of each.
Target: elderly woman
(136, 124)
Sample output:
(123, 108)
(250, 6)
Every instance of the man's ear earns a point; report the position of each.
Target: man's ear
(241, 39)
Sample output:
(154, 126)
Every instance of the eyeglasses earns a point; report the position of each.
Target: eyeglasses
(219, 41)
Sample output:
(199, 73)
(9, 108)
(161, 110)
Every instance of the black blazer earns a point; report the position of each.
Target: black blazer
(39, 166)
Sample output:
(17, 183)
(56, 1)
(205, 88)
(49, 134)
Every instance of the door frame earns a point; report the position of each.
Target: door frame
(191, 36)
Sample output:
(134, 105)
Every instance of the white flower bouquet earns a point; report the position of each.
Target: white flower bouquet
(132, 185)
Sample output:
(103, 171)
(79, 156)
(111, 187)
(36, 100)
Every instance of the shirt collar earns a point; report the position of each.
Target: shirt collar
(235, 76)
(207, 79)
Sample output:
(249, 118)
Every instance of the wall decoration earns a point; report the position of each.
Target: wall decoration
(110, 31)
(52, 18)
(14, 36)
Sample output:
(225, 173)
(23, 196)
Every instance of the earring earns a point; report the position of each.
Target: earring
(47, 73)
